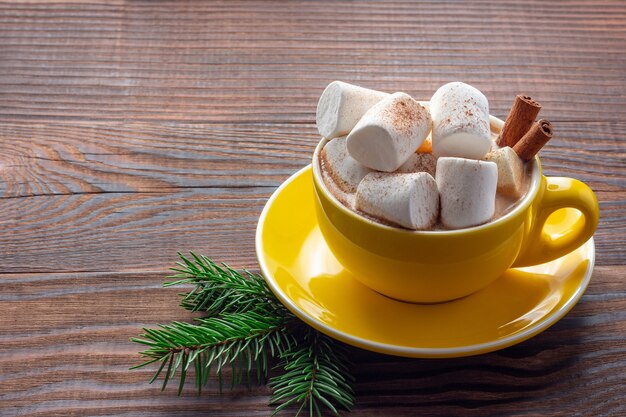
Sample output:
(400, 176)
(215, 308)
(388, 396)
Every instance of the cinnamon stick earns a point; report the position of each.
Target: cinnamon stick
(518, 122)
(528, 146)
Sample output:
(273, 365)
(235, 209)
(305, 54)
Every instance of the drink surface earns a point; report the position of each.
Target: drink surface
(503, 204)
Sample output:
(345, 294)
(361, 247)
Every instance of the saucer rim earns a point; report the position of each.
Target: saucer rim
(414, 352)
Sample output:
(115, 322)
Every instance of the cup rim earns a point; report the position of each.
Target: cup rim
(521, 205)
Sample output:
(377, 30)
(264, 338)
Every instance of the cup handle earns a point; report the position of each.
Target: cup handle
(558, 193)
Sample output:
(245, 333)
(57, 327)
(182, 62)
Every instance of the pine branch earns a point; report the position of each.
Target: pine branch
(243, 340)
(221, 289)
(316, 376)
(246, 327)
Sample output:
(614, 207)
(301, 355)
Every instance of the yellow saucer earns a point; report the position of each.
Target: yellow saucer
(307, 278)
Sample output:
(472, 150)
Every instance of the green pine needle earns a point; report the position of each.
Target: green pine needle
(315, 374)
(220, 289)
(245, 328)
(237, 339)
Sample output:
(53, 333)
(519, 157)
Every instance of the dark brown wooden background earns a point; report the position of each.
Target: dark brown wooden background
(130, 130)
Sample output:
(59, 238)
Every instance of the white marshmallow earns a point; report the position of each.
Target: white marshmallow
(467, 188)
(420, 162)
(389, 133)
(510, 171)
(344, 170)
(340, 107)
(407, 200)
(460, 115)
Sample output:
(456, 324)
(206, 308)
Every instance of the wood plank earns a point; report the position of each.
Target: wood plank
(71, 192)
(128, 231)
(80, 157)
(62, 158)
(251, 62)
(74, 361)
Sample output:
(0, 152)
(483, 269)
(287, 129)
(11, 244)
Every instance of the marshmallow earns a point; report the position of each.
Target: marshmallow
(344, 170)
(460, 121)
(419, 162)
(389, 133)
(467, 189)
(340, 107)
(510, 171)
(407, 200)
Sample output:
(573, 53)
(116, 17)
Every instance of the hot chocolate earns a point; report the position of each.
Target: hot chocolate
(437, 165)
(422, 162)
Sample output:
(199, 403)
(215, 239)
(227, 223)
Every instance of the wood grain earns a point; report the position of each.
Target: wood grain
(243, 61)
(74, 360)
(154, 189)
(132, 130)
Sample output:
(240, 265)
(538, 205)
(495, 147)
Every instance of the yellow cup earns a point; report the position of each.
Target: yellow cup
(436, 266)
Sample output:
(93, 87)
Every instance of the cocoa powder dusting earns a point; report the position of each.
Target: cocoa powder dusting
(503, 204)
(404, 115)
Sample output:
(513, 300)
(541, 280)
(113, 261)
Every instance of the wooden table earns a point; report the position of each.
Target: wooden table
(130, 130)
